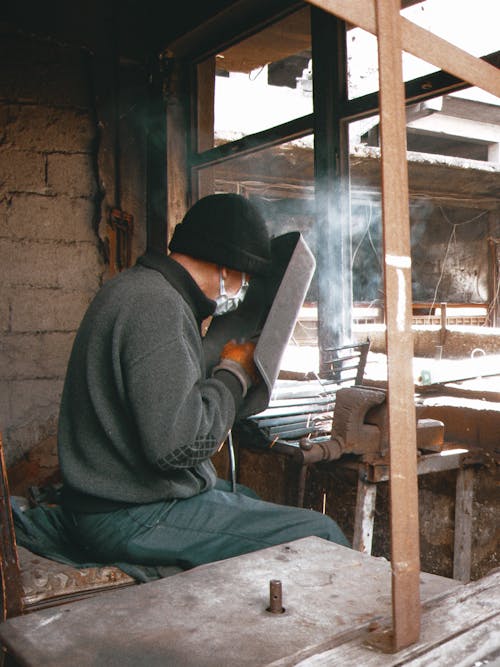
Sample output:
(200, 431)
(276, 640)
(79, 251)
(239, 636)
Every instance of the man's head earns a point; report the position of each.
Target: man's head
(227, 230)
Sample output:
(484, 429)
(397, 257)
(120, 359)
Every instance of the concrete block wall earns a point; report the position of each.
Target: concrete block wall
(51, 262)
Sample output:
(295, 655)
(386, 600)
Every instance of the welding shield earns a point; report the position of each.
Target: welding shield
(267, 316)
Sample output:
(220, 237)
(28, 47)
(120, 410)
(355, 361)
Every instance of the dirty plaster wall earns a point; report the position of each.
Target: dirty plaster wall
(55, 184)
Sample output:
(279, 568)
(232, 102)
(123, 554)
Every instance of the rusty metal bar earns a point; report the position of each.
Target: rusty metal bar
(405, 555)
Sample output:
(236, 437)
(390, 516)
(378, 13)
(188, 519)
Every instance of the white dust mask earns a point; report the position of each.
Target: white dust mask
(226, 303)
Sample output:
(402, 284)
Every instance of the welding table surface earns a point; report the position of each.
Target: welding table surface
(215, 615)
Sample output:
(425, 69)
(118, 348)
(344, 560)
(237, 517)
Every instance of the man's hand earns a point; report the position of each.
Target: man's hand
(242, 353)
(237, 358)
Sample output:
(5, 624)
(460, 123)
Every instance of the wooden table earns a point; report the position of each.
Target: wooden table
(215, 615)
(451, 458)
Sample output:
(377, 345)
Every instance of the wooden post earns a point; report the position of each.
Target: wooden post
(177, 97)
(204, 181)
(366, 499)
(442, 337)
(156, 184)
(462, 555)
(405, 554)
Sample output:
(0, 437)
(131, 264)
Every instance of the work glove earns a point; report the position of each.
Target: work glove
(237, 358)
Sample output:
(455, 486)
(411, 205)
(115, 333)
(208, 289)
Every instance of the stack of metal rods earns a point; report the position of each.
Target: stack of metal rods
(298, 409)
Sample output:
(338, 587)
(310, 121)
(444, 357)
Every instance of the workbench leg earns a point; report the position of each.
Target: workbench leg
(301, 490)
(364, 516)
(462, 554)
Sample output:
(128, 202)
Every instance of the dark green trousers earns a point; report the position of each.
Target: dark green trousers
(212, 526)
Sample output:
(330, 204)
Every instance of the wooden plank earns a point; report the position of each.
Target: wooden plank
(420, 43)
(216, 614)
(378, 471)
(47, 583)
(478, 646)
(405, 555)
(428, 463)
(450, 459)
(461, 629)
(462, 554)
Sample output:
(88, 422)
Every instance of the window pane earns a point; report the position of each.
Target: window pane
(280, 180)
(453, 174)
(366, 222)
(264, 80)
(362, 62)
(472, 27)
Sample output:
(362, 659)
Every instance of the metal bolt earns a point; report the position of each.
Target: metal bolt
(275, 597)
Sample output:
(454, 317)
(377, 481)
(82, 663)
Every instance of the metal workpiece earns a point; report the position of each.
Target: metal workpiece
(311, 451)
(275, 597)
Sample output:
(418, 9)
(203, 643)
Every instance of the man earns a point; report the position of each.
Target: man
(140, 419)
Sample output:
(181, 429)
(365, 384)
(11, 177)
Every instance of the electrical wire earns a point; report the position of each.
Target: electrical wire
(232, 461)
(451, 239)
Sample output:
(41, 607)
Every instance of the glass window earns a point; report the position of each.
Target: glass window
(362, 63)
(473, 27)
(452, 175)
(280, 181)
(262, 81)
(366, 222)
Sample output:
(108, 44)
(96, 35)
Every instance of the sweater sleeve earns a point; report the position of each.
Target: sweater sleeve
(181, 416)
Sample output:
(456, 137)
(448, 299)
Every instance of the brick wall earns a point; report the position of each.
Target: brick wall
(52, 194)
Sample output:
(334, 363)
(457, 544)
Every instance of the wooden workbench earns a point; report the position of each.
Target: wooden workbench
(215, 615)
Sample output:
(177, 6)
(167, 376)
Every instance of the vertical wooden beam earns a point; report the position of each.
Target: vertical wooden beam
(156, 183)
(444, 319)
(205, 131)
(405, 554)
(462, 555)
(177, 114)
(364, 517)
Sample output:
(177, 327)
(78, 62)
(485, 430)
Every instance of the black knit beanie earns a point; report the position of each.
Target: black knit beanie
(225, 229)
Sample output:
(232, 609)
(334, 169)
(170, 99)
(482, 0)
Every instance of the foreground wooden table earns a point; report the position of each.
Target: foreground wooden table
(215, 615)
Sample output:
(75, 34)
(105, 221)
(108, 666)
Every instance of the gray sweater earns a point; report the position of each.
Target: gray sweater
(139, 420)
